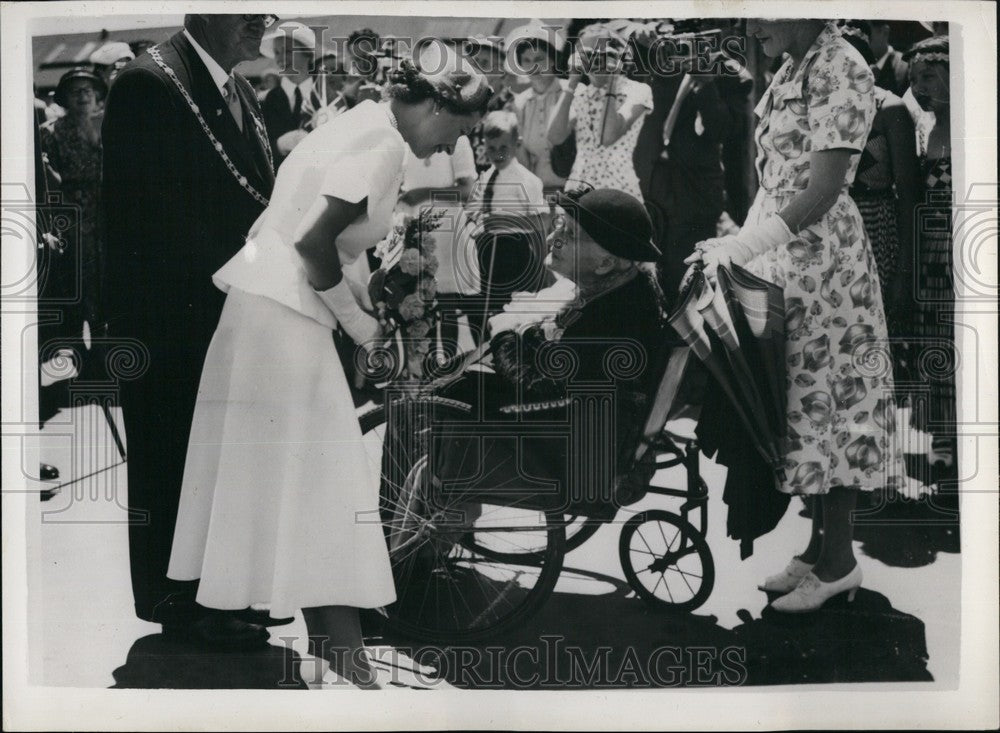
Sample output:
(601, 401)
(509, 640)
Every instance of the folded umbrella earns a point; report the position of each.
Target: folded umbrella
(725, 318)
(763, 308)
(704, 323)
(721, 326)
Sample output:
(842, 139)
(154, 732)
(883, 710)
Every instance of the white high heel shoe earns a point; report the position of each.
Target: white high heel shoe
(323, 677)
(788, 578)
(812, 593)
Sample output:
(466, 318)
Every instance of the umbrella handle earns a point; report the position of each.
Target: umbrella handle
(687, 282)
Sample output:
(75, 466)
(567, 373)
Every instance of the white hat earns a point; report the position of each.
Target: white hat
(111, 52)
(301, 34)
(536, 29)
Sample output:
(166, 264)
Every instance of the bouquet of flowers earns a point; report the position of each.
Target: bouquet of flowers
(404, 289)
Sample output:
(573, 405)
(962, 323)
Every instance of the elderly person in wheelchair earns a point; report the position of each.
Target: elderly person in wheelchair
(552, 425)
(510, 461)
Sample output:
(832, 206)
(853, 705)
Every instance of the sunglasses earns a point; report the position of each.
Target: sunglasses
(269, 20)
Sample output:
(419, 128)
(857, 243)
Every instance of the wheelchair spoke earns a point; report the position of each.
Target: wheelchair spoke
(663, 578)
(450, 581)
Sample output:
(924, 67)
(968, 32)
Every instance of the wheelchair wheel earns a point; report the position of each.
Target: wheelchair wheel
(667, 562)
(449, 590)
(578, 530)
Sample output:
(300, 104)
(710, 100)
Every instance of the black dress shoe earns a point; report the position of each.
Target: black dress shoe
(261, 618)
(48, 473)
(220, 630)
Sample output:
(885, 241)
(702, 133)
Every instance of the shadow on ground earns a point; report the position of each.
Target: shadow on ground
(584, 641)
(616, 641)
(157, 661)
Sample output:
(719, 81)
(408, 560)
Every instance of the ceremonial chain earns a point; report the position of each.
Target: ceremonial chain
(240, 178)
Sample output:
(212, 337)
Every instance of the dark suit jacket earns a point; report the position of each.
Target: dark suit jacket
(894, 74)
(278, 118)
(690, 185)
(174, 212)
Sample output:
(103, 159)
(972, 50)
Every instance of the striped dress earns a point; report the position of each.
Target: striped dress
(933, 315)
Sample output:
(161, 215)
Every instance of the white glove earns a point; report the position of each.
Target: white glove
(361, 327)
(740, 248)
(287, 142)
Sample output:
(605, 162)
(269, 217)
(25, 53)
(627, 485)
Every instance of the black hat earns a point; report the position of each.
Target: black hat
(615, 220)
(79, 73)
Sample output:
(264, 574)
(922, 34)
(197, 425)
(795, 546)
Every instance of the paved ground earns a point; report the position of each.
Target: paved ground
(902, 626)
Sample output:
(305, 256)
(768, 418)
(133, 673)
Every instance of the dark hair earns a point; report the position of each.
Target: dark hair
(364, 34)
(536, 44)
(332, 64)
(862, 25)
(932, 45)
(407, 84)
(139, 46)
(863, 47)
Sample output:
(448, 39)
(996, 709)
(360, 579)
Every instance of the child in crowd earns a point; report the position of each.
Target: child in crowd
(506, 187)
(508, 208)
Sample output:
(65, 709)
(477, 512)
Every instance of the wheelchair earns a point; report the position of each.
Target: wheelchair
(478, 523)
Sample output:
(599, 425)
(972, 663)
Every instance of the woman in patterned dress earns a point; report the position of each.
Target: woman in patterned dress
(606, 114)
(805, 234)
(932, 321)
(71, 149)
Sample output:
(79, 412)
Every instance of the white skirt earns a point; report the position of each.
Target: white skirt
(280, 501)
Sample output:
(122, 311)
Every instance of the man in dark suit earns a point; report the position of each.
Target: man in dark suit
(891, 72)
(187, 170)
(678, 158)
(285, 107)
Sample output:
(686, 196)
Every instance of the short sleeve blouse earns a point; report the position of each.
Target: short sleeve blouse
(826, 104)
(356, 156)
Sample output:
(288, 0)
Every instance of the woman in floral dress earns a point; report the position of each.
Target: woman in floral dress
(71, 148)
(606, 114)
(814, 120)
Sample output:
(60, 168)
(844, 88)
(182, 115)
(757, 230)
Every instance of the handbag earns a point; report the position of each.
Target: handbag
(563, 155)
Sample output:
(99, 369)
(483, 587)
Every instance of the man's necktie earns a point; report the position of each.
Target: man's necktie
(297, 107)
(233, 101)
(488, 192)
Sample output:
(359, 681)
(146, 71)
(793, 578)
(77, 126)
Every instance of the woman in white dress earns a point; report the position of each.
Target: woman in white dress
(279, 504)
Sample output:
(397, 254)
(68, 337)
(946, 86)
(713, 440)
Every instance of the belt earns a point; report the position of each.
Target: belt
(782, 192)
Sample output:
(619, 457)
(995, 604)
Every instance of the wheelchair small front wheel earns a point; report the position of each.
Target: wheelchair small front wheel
(667, 562)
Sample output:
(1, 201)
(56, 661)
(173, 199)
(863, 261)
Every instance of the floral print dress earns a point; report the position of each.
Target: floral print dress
(607, 166)
(841, 411)
(77, 160)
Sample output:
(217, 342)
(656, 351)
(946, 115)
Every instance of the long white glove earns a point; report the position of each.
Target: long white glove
(361, 327)
(740, 248)
(287, 142)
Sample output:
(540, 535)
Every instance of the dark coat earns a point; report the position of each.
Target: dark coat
(617, 346)
(278, 118)
(174, 214)
(173, 210)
